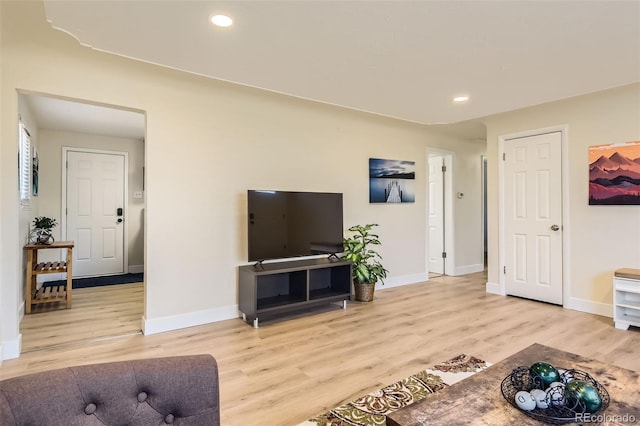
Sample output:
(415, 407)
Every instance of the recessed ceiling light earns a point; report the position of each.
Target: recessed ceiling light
(460, 99)
(221, 20)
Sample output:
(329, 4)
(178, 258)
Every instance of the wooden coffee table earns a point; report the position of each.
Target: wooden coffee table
(478, 400)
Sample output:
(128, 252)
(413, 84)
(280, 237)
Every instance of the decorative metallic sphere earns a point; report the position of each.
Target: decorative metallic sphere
(544, 374)
(579, 391)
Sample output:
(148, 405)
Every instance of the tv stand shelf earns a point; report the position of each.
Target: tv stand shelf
(273, 288)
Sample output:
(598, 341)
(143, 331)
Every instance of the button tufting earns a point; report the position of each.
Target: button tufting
(90, 409)
(168, 419)
(142, 397)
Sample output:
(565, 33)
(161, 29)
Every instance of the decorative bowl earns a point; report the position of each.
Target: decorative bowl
(571, 410)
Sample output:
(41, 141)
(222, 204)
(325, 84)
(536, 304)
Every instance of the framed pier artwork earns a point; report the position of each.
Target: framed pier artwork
(391, 181)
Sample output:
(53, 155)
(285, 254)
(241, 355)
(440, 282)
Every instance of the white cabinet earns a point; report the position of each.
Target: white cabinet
(626, 298)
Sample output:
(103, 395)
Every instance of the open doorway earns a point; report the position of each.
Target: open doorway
(107, 301)
(485, 235)
(440, 213)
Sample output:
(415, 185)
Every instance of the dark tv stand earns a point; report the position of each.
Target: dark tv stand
(274, 288)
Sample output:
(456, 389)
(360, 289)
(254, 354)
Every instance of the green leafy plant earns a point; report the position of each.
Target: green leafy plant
(366, 261)
(43, 222)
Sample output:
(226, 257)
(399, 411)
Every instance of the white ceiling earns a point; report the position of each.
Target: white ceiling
(72, 116)
(402, 59)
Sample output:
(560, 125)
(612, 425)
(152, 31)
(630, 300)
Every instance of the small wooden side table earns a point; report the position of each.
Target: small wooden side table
(47, 294)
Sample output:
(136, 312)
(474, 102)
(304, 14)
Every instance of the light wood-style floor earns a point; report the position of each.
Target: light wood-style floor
(289, 370)
(97, 313)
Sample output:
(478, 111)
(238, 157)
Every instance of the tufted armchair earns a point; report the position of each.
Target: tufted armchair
(176, 390)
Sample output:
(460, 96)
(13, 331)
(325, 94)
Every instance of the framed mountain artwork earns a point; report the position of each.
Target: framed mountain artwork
(614, 174)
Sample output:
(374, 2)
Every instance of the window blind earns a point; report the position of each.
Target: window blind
(25, 163)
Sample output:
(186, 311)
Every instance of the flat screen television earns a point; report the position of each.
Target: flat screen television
(284, 224)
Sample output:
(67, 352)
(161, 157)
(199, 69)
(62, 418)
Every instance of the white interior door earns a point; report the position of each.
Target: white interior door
(95, 203)
(436, 214)
(533, 217)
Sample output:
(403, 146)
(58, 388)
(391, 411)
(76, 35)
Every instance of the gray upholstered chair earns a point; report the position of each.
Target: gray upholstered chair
(175, 390)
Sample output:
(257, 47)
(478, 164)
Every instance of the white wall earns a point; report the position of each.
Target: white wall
(207, 143)
(601, 238)
(2, 306)
(51, 144)
(28, 209)
(468, 242)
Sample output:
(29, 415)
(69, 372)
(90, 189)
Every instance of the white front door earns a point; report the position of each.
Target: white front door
(436, 215)
(95, 212)
(533, 217)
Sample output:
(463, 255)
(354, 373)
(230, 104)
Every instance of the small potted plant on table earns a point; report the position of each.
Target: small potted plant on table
(367, 269)
(42, 232)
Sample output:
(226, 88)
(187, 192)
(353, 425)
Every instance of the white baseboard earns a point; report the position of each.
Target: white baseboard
(494, 288)
(403, 280)
(583, 305)
(10, 349)
(468, 269)
(136, 269)
(423, 277)
(191, 319)
(573, 303)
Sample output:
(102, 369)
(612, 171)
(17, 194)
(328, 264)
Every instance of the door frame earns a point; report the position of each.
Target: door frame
(564, 173)
(484, 169)
(63, 202)
(449, 213)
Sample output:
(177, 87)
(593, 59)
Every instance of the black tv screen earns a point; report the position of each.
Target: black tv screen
(291, 224)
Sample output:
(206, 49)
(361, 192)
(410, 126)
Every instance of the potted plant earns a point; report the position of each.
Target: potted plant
(42, 232)
(367, 269)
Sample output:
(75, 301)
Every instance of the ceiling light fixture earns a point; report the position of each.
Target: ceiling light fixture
(221, 20)
(460, 99)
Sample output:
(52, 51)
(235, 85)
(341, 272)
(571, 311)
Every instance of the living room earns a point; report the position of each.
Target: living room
(316, 143)
(208, 141)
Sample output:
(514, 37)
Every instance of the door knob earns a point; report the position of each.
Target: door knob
(119, 220)
(555, 227)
